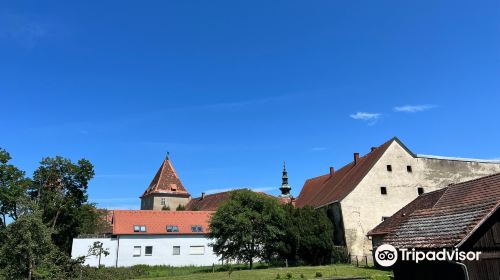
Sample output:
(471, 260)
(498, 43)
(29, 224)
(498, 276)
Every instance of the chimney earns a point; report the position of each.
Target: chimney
(202, 195)
(331, 171)
(374, 148)
(356, 158)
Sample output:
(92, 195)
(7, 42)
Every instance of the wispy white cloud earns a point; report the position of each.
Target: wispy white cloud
(370, 118)
(318, 149)
(414, 108)
(364, 116)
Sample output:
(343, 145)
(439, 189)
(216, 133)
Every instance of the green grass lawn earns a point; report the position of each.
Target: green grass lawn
(309, 272)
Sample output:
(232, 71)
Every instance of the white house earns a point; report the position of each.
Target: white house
(152, 237)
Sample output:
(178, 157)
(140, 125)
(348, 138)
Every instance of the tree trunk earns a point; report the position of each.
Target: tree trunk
(251, 263)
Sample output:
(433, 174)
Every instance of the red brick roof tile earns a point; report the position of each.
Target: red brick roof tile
(325, 189)
(424, 201)
(166, 181)
(461, 209)
(156, 221)
(211, 202)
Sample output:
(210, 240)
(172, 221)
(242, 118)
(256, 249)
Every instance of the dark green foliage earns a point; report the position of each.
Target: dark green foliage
(165, 208)
(318, 275)
(278, 276)
(60, 189)
(28, 249)
(181, 207)
(314, 235)
(13, 186)
(289, 275)
(247, 226)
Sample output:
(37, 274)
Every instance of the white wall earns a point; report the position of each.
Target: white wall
(365, 206)
(162, 250)
(81, 247)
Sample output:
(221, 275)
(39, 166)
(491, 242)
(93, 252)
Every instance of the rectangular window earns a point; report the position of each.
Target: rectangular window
(162, 201)
(383, 190)
(196, 250)
(139, 228)
(408, 168)
(176, 250)
(148, 250)
(420, 191)
(389, 167)
(384, 218)
(137, 251)
(196, 228)
(171, 228)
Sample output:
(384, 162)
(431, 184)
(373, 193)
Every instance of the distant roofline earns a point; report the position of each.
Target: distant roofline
(458, 158)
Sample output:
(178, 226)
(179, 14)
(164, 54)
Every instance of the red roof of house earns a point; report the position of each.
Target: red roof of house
(211, 202)
(156, 221)
(424, 201)
(328, 188)
(459, 212)
(166, 181)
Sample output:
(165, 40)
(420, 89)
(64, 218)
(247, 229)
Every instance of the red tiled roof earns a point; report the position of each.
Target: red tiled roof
(166, 181)
(325, 189)
(461, 209)
(156, 221)
(424, 201)
(211, 202)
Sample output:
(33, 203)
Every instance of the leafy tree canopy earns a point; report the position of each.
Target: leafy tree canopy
(248, 226)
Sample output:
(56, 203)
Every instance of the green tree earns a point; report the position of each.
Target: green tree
(314, 235)
(13, 186)
(26, 247)
(248, 226)
(97, 250)
(60, 188)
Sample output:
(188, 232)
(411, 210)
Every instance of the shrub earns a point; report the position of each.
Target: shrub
(302, 276)
(289, 275)
(278, 276)
(319, 274)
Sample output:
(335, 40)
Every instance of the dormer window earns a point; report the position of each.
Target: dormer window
(196, 228)
(171, 228)
(139, 228)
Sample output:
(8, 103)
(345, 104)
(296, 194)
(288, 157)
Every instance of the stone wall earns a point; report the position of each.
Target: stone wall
(365, 206)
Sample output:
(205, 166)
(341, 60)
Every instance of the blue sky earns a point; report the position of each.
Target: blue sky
(233, 88)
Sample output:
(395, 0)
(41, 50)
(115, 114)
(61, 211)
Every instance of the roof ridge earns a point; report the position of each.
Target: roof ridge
(476, 179)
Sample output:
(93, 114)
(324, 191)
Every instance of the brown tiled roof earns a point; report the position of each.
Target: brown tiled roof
(211, 202)
(424, 201)
(325, 189)
(166, 181)
(156, 221)
(461, 209)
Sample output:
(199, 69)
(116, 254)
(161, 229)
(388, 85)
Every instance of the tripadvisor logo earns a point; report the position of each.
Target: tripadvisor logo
(386, 255)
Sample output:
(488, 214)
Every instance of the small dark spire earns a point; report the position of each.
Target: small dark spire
(285, 188)
(168, 156)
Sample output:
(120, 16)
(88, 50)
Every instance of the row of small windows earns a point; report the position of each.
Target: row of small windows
(383, 190)
(176, 250)
(408, 168)
(170, 228)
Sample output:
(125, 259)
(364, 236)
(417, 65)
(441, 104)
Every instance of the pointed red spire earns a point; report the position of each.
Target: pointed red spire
(166, 181)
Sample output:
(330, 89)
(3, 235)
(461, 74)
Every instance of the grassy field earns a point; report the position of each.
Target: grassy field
(304, 272)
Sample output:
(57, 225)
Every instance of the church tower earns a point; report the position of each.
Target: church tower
(285, 188)
(166, 190)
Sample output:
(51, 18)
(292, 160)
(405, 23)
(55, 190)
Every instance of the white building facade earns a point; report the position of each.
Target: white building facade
(152, 238)
(130, 250)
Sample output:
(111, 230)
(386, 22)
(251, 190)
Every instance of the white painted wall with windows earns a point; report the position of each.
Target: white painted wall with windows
(173, 250)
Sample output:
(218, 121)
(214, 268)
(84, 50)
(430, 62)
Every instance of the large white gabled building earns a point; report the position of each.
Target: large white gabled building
(152, 237)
